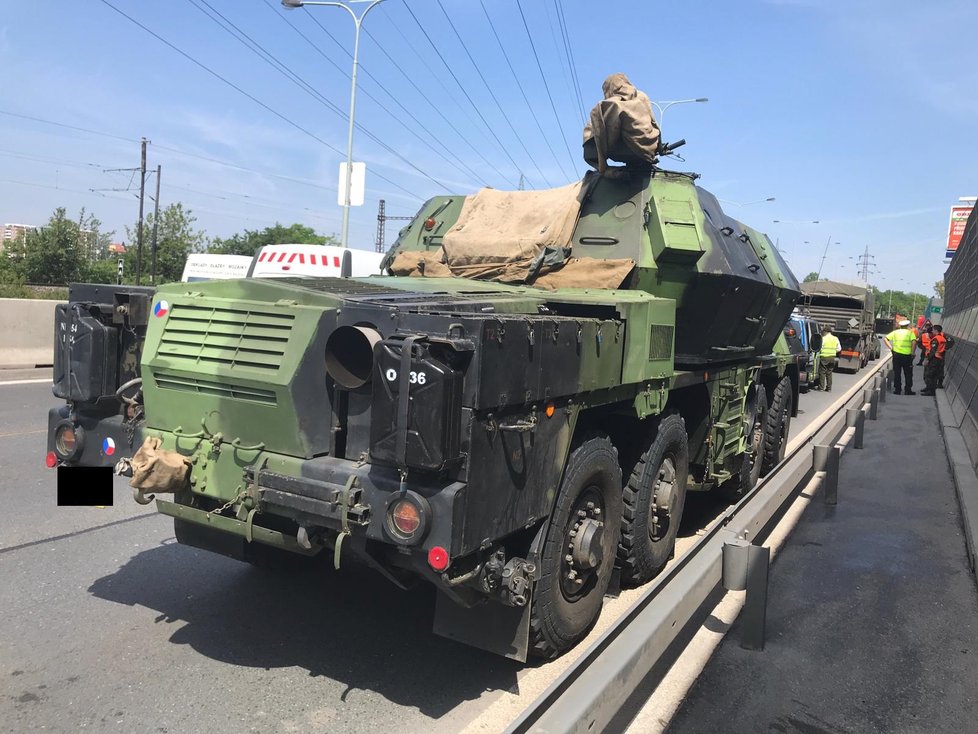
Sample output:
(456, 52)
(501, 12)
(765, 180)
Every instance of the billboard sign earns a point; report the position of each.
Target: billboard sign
(955, 229)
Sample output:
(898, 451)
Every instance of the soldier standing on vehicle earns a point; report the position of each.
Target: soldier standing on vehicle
(924, 342)
(831, 346)
(902, 343)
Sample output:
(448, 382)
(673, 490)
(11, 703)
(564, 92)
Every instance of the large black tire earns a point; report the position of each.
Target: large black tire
(567, 600)
(777, 426)
(750, 468)
(653, 502)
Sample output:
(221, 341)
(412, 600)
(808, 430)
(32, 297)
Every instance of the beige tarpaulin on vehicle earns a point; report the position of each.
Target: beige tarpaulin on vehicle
(622, 124)
(155, 469)
(509, 236)
(516, 237)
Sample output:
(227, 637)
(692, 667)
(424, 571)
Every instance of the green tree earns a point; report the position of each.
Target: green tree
(250, 241)
(176, 238)
(810, 278)
(939, 288)
(56, 253)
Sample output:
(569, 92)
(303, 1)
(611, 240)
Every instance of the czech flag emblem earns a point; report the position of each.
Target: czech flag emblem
(162, 308)
(108, 447)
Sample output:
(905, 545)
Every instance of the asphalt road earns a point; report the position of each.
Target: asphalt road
(109, 624)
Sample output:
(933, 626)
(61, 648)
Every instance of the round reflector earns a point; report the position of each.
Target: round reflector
(438, 558)
(405, 517)
(429, 223)
(51, 460)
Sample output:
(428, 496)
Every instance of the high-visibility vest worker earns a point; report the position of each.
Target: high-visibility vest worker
(830, 346)
(941, 345)
(925, 341)
(901, 341)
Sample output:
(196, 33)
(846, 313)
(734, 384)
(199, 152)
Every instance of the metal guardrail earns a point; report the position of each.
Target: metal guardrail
(587, 696)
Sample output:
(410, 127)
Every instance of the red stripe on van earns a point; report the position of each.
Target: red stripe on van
(262, 256)
(336, 261)
(282, 256)
(292, 256)
(312, 259)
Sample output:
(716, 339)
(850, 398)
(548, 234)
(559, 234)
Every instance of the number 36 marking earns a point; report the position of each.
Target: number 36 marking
(416, 378)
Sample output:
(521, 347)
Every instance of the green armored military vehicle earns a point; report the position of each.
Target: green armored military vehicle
(519, 412)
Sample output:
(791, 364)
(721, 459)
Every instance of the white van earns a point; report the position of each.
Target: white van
(204, 266)
(312, 261)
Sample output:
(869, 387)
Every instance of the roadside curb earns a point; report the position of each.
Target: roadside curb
(963, 473)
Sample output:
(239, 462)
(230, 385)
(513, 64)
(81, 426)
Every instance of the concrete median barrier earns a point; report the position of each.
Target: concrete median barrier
(26, 332)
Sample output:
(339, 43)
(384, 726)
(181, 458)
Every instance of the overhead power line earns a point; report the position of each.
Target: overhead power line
(492, 94)
(519, 84)
(464, 92)
(270, 59)
(543, 76)
(458, 162)
(569, 51)
(426, 96)
(234, 86)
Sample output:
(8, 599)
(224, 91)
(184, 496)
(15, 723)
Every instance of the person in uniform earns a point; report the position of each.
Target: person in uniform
(944, 342)
(831, 346)
(924, 342)
(902, 343)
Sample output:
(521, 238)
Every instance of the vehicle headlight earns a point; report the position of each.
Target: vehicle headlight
(69, 440)
(407, 517)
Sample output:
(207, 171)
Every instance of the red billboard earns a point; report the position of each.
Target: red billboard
(955, 229)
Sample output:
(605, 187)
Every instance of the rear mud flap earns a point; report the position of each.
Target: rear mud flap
(491, 626)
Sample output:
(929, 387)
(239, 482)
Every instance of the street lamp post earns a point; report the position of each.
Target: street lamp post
(358, 22)
(666, 104)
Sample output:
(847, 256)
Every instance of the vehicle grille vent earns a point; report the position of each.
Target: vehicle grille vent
(221, 389)
(660, 343)
(232, 337)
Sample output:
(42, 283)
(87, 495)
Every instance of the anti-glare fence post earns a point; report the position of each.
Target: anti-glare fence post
(826, 460)
(855, 418)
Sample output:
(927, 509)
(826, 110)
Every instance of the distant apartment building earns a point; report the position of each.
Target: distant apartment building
(15, 232)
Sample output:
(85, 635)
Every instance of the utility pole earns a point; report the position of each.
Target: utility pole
(824, 255)
(865, 266)
(142, 193)
(156, 221)
(382, 218)
(522, 182)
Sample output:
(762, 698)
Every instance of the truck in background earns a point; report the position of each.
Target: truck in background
(207, 266)
(849, 311)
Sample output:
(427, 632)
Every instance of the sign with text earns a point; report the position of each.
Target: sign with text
(955, 230)
(356, 184)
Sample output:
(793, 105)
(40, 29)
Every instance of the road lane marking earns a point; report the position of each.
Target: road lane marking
(76, 533)
(23, 433)
(26, 382)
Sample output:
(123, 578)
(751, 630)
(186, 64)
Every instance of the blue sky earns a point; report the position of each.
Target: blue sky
(859, 114)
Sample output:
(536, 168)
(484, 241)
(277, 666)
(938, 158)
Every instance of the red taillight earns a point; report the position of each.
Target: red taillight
(51, 460)
(438, 558)
(406, 517)
(429, 223)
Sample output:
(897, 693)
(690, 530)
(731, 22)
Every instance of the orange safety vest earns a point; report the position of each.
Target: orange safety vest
(925, 341)
(941, 345)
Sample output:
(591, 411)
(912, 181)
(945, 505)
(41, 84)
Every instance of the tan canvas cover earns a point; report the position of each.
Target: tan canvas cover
(417, 264)
(587, 272)
(516, 237)
(622, 123)
(155, 469)
(500, 235)
(834, 289)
